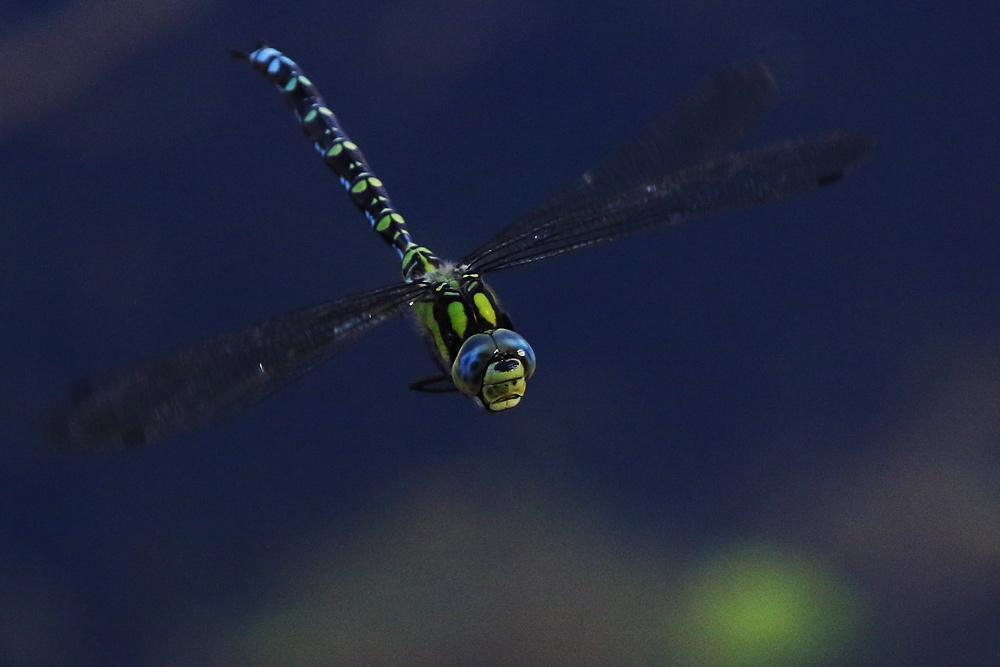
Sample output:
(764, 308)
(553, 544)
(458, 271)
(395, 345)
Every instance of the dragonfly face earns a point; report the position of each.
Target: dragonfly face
(493, 368)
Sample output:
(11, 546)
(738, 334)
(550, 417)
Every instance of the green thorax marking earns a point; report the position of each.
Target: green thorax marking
(460, 306)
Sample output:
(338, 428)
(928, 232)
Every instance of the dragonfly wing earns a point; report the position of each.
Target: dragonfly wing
(217, 377)
(724, 184)
(704, 125)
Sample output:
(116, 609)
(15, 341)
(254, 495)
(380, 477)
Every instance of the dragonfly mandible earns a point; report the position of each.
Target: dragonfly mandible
(674, 169)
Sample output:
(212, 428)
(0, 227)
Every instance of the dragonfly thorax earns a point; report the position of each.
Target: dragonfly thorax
(472, 338)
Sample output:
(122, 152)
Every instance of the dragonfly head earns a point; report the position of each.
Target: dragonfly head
(493, 368)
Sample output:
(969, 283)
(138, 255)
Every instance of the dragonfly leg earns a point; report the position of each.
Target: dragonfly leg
(439, 383)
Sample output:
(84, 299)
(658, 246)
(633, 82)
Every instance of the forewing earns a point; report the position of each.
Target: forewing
(706, 124)
(217, 377)
(723, 184)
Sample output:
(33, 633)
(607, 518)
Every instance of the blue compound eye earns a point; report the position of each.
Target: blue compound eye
(471, 362)
(512, 344)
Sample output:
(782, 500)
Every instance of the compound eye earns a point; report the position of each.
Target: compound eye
(512, 344)
(470, 364)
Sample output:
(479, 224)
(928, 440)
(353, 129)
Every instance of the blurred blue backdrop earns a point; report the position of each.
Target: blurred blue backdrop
(764, 438)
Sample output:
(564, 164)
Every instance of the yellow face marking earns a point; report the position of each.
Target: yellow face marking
(503, 389)
(493, 376)
(459, 320)
(503, 395)
(485, 308)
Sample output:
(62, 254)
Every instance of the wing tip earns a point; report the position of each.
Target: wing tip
(76, 426)
(757, 76)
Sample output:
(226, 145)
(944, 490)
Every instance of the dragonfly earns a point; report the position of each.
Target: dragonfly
(674, 169)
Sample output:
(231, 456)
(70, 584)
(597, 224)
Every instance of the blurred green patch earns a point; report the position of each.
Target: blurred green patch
(762, 606)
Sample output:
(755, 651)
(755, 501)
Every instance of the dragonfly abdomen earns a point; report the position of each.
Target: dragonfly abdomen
(343, 157)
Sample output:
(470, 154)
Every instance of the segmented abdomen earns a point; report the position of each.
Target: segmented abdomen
(342, 156)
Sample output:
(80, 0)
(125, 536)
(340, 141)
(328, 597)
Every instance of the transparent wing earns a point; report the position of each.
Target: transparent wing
(704, 125)
(584, 217)
(218, 377)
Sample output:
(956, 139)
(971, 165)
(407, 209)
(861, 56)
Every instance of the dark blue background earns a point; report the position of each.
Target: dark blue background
(819, 375)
